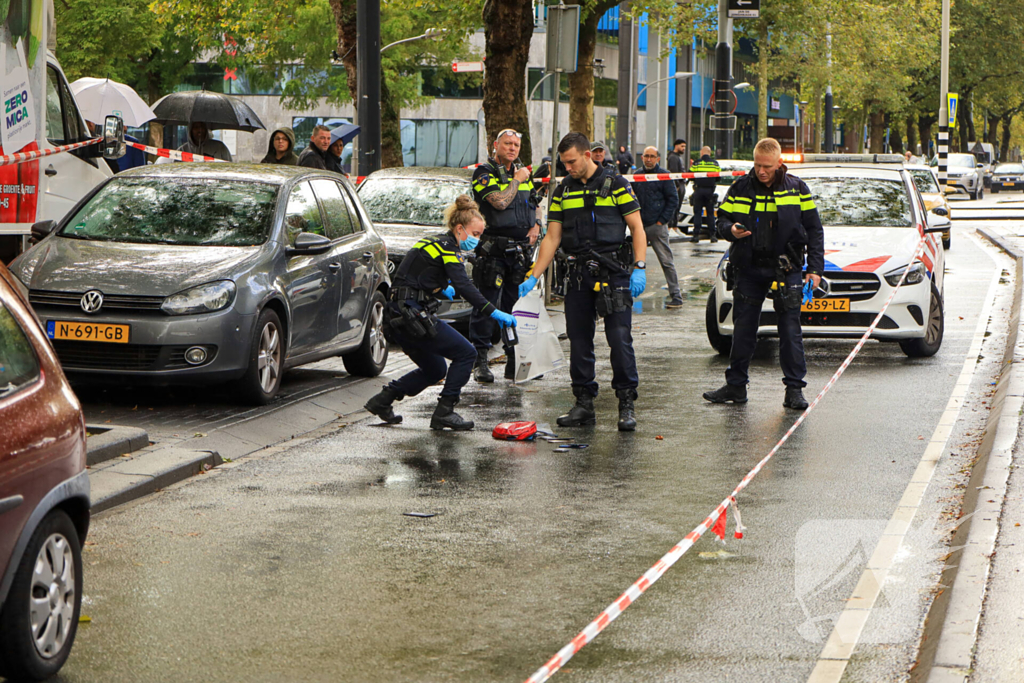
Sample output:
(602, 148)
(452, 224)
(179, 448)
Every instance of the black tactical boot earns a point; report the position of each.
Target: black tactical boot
(445, 416)
(482, 371)
(510, 363)
(795, 398)
(380, 405)
(726, 394)
(627, 415)
(580, 414)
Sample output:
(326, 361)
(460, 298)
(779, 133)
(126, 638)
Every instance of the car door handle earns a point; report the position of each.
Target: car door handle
(50, 171)
(334, 267)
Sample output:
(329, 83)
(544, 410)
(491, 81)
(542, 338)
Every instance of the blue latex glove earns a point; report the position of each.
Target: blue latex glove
(503, 318)
(527, 286)
(808, 291)
(448, 292)
(637, 282)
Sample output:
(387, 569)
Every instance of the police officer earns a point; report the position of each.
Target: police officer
(424, 275)
(505, 195)
(704, 197)
(770, 218)
(587, 218)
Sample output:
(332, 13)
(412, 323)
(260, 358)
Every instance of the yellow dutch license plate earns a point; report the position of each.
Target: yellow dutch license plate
(827, 306)
(1008, 184)
(96, 332)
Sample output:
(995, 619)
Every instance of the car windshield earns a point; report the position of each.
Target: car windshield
(925, 181)
(962, 160)
(861, 202)
(187, 211)
(726, 181)
(417, 201)
(1009, 168)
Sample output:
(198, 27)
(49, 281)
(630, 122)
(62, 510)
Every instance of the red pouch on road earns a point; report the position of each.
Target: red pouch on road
(515, 431)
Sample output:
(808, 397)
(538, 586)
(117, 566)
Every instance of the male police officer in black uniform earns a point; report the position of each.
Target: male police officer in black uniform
(770, 218)
(504, 194)
(704, 197)
(587, 218)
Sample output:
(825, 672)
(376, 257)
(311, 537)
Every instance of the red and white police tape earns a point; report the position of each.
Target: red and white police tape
(172, 153)
(611, 612)
(22, 157)
(649, 178)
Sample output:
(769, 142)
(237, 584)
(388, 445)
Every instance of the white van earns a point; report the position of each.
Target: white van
(40, 113)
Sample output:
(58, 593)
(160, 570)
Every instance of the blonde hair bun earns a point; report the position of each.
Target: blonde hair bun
(461, 212)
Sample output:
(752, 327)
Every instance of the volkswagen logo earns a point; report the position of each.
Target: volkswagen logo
(92, 301)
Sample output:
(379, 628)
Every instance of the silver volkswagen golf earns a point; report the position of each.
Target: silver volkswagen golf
(197, 273)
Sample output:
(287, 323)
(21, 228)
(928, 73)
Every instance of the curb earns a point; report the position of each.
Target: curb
(131, 479)
(107, 443)
(955, 614)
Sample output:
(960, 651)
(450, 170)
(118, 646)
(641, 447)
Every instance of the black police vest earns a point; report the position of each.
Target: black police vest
(515, 220)
(591, 218)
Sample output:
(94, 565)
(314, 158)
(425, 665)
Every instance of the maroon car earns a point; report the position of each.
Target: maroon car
(44, 497)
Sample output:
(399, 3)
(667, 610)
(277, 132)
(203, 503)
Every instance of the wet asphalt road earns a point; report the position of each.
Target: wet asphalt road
(300, 565)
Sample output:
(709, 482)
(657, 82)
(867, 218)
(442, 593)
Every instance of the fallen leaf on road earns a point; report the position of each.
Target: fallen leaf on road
(660, 438)
(199, 434)
(84, 619)
(716, 555)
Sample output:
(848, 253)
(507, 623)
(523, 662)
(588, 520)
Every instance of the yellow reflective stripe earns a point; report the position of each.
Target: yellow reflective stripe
(622, 199)
(735, 208)
(449, 259)
(807, 205)
(571, 204)
(443, 250)
(745, 200)
(577, 193)
(611, 201)
(431, 251)
(422, 243)
(555, 206)
(619, 191)
(787, 201)
(765, 207)
(478, 186)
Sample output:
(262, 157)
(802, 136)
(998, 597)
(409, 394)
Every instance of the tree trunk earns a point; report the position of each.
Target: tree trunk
(345, 23)
(818, 127)
(963, 117)
(924, 129)
(992, 128)
(581, 83)
(763, 52)
(390, 129)
(911, 134)
(1004, 147)
(876, 121)
(508, 28)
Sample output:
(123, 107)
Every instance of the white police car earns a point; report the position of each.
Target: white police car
(874, 220)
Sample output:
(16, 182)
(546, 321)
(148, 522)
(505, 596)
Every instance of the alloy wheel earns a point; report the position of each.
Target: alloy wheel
(52, 601)
(932, 334)
(269, 358)
(378, 345)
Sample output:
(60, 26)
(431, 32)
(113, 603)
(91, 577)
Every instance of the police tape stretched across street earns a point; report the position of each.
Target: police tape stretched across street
(588, 216)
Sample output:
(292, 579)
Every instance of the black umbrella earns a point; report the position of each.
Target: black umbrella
(217, 111)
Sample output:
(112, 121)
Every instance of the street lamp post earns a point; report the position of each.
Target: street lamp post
(636, 102)
(430, 33)
(943, 95)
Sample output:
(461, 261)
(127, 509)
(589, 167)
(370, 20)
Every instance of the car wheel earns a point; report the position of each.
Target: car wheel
(946, 242)
(932, 340)
(40, 617)
(372, 355)
(266, 360)
(981, 192)
(720, 342)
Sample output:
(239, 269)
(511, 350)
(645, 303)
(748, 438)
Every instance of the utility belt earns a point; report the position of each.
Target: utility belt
(784, 265)
(600, 267)
(499, 259)
(411, 322)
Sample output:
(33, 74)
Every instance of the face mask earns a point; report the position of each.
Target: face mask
(469, 244)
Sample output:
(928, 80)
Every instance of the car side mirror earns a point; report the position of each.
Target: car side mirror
(937, 223)
(113, 138)
(41, 230)
(308, 243)
(940, 211)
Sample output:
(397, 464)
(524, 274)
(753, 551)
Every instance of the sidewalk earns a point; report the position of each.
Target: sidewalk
(981, 629)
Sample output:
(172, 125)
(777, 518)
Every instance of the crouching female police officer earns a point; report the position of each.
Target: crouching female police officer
(424, 275)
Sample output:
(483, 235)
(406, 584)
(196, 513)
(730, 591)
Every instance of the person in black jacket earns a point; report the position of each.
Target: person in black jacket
(434, 268)
(704, 196)
(624, 160)
(678, 162)
(315, 154)
(658, 203)
(772, 222)
(599, 154)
